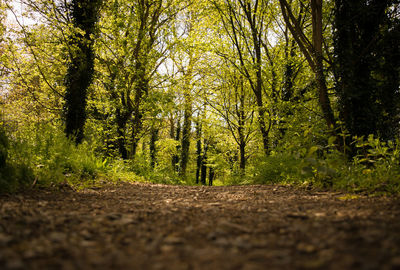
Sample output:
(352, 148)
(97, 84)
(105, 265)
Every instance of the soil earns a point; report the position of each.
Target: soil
(147, 226)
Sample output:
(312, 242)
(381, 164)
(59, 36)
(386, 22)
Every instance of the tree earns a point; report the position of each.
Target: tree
(134, 42)
(234, 103)
(185, 59)
(313, 52)
(367, 66)
(245, 21)
(187, 115)
(80, 71)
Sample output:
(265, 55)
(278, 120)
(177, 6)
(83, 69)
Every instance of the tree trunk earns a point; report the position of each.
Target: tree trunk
(241, 129)
(171, 127)
(152, 146)
(187, 118)
(242, 152)
(288, 79)
(175, 157)
(242, 147)
(121, 119)
(198, 150)
(261, 121)
(187, 124)
(314, 56)
(324, 102)
(258, 93)
(203, 176)
(211, 176)
(289, 69)
(80, 71)
(141, 91)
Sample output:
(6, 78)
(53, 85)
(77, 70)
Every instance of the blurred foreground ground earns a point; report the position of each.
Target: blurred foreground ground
(145, 226)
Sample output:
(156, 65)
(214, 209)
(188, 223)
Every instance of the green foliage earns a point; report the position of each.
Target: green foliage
(279, 168)
(377, 170)
(12, 175)
(140, 170)
(80, 71)
(55, 159)
(164, 70)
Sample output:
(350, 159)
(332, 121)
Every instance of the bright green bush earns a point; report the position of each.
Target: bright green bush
(375, 170)
(54, 159)
(278, 168)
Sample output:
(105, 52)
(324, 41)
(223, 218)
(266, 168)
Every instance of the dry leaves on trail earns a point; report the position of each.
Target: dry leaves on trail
(145, 226)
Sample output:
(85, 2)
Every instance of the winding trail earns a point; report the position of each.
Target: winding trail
(146, 226)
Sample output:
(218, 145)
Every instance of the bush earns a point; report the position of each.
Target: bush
(375, 170)
(278, 168)
(55, 159)
(12, 175)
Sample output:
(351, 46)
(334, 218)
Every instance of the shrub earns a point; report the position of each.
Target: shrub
(278, 168)
(375, 170)
(55, 159)
(12, 175)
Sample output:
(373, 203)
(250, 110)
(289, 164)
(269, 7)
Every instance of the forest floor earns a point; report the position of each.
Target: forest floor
(147, 226)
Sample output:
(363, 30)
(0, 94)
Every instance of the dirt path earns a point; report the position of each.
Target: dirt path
(143, 226)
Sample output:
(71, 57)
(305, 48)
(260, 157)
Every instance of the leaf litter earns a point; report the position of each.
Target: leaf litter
(147, 226)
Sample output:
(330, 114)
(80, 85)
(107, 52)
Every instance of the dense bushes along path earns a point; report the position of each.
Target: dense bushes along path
(144, 226)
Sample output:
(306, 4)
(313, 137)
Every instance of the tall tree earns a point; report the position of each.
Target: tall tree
(133, 44)
(367, 58)
(313, 52)
(233, 102)
(185, 59)
(187, 118)
(79, 76)
(245, 21)
(150, 21)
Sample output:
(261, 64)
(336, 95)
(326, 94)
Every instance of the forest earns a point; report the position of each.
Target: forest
(199, 134)
(205, 92)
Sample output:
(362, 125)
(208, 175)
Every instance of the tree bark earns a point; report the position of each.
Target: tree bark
(141, 90)
(121, 119)
(80, 71)
(203, 177)
(211, 175)
(316, 9)
(187, 117)
(259, 81)
(314, 55)
(242, 152)
(198, 150)
(152, 146)
(187, 124)
(175, 157)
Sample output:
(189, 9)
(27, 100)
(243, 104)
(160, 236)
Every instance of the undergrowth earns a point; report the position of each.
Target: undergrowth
(44, 157)
(13, 175)
(51, 159)
(375, 169)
